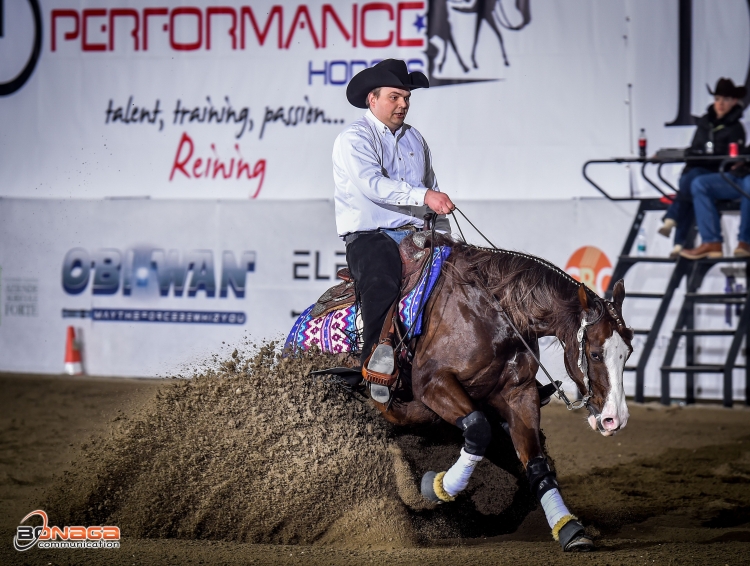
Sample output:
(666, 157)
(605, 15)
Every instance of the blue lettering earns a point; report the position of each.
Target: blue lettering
(75, 271)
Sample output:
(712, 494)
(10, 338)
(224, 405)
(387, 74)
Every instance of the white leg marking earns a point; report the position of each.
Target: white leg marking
(554, 507)
(457, 478)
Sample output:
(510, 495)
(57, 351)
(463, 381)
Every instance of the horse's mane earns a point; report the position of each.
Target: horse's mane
(529, 289)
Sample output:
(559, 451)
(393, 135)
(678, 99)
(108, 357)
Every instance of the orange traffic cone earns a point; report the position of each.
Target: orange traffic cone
(72, 354)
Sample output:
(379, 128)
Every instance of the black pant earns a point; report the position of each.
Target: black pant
(375, 264)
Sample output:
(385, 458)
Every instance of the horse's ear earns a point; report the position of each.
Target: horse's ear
(618, 293)
(583, 296)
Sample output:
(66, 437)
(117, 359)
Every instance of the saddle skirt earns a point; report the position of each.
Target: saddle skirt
(333, 324)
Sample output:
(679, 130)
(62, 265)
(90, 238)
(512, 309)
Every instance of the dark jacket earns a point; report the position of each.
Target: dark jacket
(721, 132)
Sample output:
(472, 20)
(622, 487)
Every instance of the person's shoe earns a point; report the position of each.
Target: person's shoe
(710, 249)
(382, 360)
(666, 228)
(675, 253)
(742, 250)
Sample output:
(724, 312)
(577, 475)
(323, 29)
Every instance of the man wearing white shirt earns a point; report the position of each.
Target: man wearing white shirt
(384, 184)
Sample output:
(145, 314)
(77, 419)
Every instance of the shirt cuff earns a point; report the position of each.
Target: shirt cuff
(416, 196)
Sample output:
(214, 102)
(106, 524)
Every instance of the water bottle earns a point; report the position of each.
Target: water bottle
(642, 143)
(640, 243)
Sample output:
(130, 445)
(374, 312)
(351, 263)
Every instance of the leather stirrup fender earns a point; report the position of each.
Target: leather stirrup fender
(386, 337)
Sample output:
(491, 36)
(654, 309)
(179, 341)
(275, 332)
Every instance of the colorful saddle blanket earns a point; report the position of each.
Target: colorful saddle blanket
(338, 330)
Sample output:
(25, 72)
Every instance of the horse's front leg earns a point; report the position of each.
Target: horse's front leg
(447, 398)
(519, 406)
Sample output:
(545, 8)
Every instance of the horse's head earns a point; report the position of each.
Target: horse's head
(598, 356)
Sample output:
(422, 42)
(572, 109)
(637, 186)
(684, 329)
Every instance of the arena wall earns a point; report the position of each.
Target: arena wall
(140, 136)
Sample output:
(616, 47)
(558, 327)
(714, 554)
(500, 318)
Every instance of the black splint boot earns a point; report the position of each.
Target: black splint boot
(573, 538)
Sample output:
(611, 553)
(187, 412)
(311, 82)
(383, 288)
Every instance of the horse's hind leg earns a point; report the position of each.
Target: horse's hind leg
(446, 397)
(458, 55)
(491, 20)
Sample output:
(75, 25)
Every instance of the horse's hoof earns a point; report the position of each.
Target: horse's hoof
(573, 538)
(428, 487)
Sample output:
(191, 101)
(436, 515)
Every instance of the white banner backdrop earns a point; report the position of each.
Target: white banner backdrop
(156, 286)
(237, 99)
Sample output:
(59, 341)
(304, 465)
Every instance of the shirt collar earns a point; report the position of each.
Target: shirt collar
(382, 128)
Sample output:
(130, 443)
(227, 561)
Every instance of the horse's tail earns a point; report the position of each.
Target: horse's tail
(523, 6)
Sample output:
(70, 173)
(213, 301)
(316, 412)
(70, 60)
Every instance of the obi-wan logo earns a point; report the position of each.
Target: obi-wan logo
(20, 55)
(590, 266)
(143, 271)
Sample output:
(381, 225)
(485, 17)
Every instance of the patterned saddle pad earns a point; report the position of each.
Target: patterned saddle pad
(338, 330)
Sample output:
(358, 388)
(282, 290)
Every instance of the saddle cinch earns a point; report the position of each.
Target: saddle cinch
(414, 250)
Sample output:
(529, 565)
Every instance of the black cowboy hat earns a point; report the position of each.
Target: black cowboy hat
(725, 87)
(389, 72)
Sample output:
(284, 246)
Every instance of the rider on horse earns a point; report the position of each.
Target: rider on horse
(384, 184)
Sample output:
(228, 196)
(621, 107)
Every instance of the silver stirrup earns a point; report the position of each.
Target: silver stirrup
(381, 360)
(380, 393)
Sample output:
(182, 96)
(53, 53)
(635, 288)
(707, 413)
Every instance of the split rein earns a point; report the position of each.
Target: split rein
(580, 336)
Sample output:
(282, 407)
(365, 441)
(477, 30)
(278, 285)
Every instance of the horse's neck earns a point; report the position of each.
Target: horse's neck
(552, 324)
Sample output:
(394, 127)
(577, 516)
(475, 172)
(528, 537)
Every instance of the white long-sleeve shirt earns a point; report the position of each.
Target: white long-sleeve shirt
(380, 177)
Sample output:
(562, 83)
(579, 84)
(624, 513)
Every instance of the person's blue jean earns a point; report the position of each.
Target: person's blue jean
(681, 210)
(706, 190)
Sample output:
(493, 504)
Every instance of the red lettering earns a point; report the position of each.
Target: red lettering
(181, 164)
(302, 10)
(402, 6)
(68, 34)
(94, 533)
(185, 46)
(118, 13)
(214, 168)
(92, 46)
(373, 7)
(275, 11)
(221, 166)
(221, 10)
(354, 25)
(258, 170)
(148, 12)
(329, 11)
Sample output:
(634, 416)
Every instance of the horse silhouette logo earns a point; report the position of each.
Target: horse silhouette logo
(442, 37)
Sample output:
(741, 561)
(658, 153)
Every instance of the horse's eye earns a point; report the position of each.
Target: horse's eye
(595, 356)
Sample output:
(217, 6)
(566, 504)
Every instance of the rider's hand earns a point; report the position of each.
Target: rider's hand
(438, 202)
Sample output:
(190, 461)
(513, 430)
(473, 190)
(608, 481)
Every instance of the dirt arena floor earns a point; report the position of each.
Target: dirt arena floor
(191, 478)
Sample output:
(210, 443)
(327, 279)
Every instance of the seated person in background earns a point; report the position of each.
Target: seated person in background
(716, 129)
(707, 189)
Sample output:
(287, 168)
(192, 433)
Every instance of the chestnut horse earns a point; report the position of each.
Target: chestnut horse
(471, 358)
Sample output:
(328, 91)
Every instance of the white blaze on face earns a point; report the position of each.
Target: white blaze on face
(615, 411)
